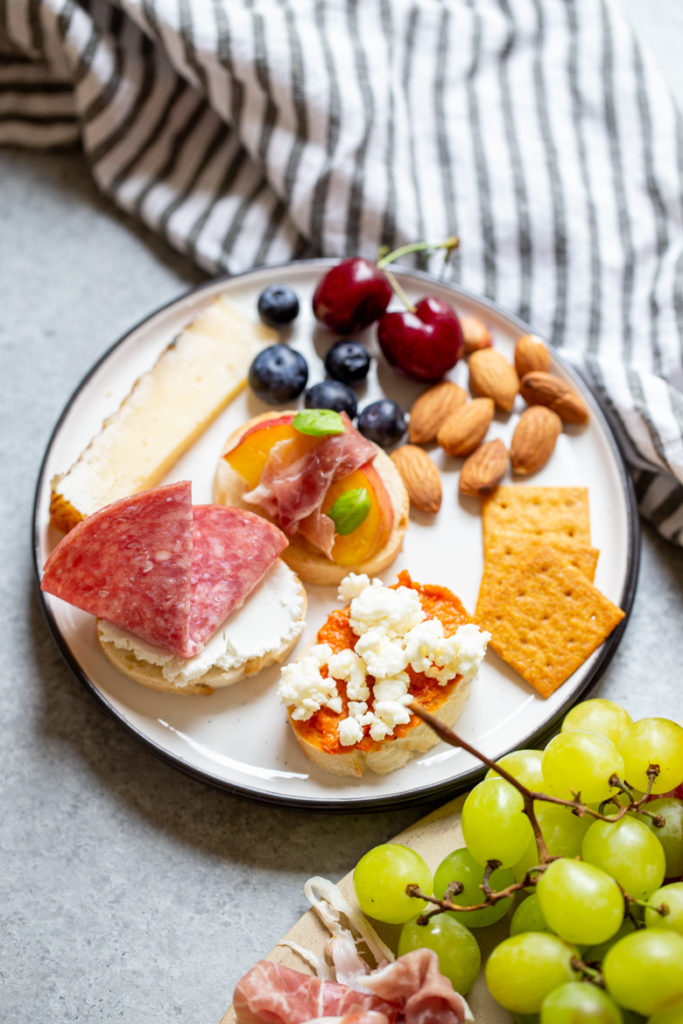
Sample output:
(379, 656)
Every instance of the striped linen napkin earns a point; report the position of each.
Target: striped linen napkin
(255, 131)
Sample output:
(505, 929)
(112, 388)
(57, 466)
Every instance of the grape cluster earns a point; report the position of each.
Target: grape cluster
(580, 847)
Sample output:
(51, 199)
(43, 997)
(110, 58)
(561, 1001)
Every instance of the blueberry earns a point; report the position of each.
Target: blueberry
(348, 361)
(331, 394)
(382, 422)
(278, 374)
(278, 305)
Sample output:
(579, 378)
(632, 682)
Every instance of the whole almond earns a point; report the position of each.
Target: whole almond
(421, 477)
(492, 376)
(544, 389)
(465, 429)
(533, 441)
(475, 334)
(432, 408)
(484, 469)
(531, 354)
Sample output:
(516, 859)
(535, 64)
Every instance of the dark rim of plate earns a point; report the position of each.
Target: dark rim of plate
(436, 792)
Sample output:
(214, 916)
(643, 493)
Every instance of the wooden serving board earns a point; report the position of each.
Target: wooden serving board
(433, 837)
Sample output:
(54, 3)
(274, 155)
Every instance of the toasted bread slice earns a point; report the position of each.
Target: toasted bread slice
(254, 618)
(392, 753)
(312, 565)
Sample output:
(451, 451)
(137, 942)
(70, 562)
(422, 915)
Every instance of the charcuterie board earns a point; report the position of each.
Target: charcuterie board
(238, 738)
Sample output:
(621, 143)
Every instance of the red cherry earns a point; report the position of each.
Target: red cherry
(351, 295)
(423, 342)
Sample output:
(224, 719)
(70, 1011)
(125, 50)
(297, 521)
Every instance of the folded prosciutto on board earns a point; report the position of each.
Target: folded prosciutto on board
(410, 990)
(338, 496)
(180, 592)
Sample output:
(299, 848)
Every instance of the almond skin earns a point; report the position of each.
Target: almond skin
(431, 409)
(465, 429)
(492, 376)
(531, 354)
(484, 469)
(475, 334)
(533, 441)
(420, 476)
(539, 388)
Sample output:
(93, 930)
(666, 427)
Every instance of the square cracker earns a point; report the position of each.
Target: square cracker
(506, 550)
(543, 513)
(546, 618)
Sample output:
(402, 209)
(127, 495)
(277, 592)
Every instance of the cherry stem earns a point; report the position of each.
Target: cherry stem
(384, 258)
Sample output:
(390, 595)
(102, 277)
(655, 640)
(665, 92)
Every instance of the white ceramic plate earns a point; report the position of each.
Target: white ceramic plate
(239, 738)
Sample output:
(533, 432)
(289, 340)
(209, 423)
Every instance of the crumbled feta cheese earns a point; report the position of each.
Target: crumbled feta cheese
(395, 689)
(471, 642)
(393, 633)
(382, 655)
(392, 611)
(353, 585)
(350, 732)
(303, 685)
(347, 665)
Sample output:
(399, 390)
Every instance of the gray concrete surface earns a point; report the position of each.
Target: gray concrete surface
(129, 892)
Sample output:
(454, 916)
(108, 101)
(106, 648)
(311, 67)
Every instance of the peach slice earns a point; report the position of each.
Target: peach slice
(356, 547)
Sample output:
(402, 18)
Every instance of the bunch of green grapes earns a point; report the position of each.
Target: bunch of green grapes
(595, 909)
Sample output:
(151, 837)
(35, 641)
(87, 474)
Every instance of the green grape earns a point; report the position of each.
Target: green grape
(562, 830)
(493, 823)
(644, 971)
(653, 741)
(581, 762)
(672, 896)
(628, 851)
(598, 715)
(460, 866)
(670, 834)
(528, 917)
(580, 901)
(525, 765)
(526, 1018)
(596, 954)
(578, 1002)
(380, 879)
(522, 970)
(453, 943)
(672, 1015)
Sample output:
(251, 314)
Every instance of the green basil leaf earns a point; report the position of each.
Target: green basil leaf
(318, 422)
(350, 510)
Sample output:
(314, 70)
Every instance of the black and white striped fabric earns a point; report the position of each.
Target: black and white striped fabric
(254, 131)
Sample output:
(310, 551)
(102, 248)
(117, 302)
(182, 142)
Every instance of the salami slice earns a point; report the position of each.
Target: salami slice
(130, 563)
(232, 551)
(166, 571)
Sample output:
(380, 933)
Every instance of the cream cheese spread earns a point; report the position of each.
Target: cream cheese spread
(270, 618)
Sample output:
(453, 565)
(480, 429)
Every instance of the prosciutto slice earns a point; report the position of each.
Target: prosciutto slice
(292, 488)
(166, 571)
(273, 994)
(410, 990)
(416, 983)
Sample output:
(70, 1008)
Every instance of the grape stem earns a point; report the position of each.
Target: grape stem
(590, 973)
(531, 796)
(491, 896)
